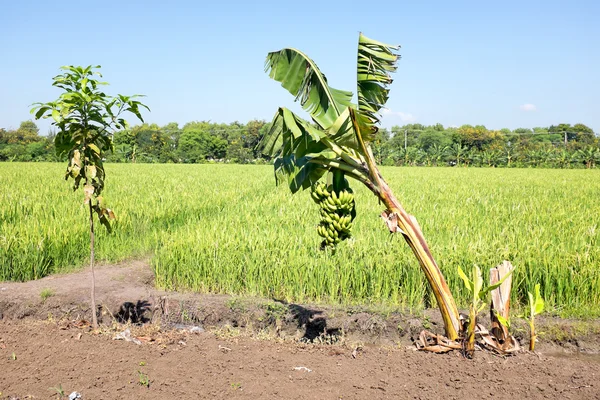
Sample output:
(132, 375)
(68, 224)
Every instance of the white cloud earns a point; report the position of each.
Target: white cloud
(528, 107)
(404, 117)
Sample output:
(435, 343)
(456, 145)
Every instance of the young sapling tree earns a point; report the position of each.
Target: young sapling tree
(86, 119)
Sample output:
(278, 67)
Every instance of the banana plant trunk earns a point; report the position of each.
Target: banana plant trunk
(532, 334)
(469, 343)
(398, 220)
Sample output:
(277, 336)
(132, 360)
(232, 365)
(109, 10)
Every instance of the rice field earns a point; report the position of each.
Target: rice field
(228, 229)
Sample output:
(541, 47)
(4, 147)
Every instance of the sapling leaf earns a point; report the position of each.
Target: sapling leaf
(90, 172)
(41, 112)
(94, 148)
(536, 306)
(76, 160)
(531, 305)
(74, 171)
(104, 221)
(101, 201)
(88, 191)
(539, 306)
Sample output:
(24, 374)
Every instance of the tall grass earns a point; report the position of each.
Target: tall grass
(227, 229)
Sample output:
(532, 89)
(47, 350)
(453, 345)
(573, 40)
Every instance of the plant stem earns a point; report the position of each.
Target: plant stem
(414, 237)
(349, 170)
(342, 154)
(532, 335)
(93, 297)
(470, 335)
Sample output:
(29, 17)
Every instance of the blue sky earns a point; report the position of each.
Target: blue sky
(501, 64)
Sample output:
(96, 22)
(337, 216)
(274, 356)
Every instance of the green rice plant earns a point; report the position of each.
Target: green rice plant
(205, 232)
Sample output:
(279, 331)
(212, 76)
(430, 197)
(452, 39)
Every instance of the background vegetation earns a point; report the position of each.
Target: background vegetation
(223, 228)
(559, 146)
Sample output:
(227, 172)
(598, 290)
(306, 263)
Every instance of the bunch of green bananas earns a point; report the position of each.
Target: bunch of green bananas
(337, 213)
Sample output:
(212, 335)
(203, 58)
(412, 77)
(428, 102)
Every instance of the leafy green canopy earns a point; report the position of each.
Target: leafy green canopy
(339, 135)
(86, 119)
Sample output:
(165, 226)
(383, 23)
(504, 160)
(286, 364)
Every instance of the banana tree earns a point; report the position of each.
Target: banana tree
(338, 141)
(438, 152)
(589, 156)
(457, 153)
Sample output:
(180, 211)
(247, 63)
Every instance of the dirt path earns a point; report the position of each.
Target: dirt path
(44, 345)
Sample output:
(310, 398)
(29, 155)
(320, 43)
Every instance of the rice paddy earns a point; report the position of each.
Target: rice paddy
(228, 229)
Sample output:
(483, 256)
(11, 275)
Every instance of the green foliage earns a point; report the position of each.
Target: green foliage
(431, 140)
(274, 312)
(46, 293)
(304, 152)
(143, 379)
(536, 306)
(197, 146)
(536, 302)
(25, 144)
(503, 321)
(60, 392)
(474, 285)
(86, 119)
(428, 145)
(300, 76)
(251, 239)
(376, 61)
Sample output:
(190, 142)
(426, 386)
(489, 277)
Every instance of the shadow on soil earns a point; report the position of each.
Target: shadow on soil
(135, 313)
(313, 322)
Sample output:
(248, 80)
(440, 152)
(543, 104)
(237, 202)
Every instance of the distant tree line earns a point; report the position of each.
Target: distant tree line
(558, 146)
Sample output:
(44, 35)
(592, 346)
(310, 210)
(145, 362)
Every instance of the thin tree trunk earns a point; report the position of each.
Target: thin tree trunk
(92, 257)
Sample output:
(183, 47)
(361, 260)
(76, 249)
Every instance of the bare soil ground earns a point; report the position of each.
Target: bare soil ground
(257, 348)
